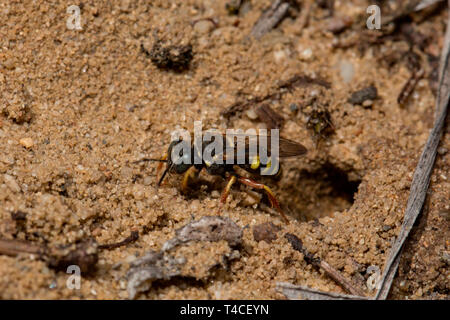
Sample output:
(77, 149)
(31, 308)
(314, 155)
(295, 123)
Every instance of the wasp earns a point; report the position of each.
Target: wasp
(182, 161)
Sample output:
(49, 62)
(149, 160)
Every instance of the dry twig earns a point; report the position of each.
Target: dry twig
(14, 247)
(83, 254)
(294, 292)
(297, 244)
(409, 86)
(132, 238)
(270, 18)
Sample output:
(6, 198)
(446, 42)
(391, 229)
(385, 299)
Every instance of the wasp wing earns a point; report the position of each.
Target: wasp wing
(262, 143)
(289, 148)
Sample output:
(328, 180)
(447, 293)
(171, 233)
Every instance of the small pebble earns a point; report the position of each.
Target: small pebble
(445, 214)
(314, 93)
(338, 24)
(306, 54)
(130, 107)
(364, 96)
(215, 194)
(252, 114)
(130, 258)
(45, 270)
(279, 55)
(116, 266)
(446, 257)
(122, 284)
(245, 8)
(346, 70)
(265, 231)
(419, 292)
(26, 142)
(293, 107)
(403, 285)
(233, 6)
(251, 199)
(442, 151)
(11, 183)
(7, 159)
(148, 180)
(203, 26)
(9, 64)
(367, 103)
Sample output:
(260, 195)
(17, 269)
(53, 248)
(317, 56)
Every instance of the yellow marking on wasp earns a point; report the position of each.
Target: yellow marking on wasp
(268, 169)
(255, 163)
(191, 173)
(215, 160)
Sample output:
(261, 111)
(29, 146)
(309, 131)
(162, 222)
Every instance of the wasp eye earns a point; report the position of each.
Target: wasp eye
(186, 158)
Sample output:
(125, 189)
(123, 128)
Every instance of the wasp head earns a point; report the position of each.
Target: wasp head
(180, 158)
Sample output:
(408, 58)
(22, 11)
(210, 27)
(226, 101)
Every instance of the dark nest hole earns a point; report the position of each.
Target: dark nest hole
(314, 194)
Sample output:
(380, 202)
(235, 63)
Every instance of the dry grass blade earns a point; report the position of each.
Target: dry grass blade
(406, 8)
(132, 238)
(423, 170)
(83, 254)
(15, 247)
(294, 292)
(270, 18)
(409, 86)
(334, 274)
(425, 3)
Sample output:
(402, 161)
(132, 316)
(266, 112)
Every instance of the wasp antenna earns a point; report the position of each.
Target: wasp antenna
(150, 159)
(164, 175)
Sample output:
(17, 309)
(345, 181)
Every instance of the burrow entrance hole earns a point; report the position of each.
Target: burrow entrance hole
(314, 194)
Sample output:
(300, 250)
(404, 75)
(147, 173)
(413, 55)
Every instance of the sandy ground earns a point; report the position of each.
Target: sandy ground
(79, 106)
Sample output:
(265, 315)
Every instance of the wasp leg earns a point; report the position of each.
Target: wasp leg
(191, 173)
(273, 201)
(226, 191)
(159, 168)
